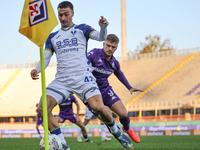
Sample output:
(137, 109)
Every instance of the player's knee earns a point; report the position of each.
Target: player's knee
(100, 109)
(123, 115)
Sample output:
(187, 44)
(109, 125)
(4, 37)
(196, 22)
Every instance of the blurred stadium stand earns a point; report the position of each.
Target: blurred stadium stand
(166, 77)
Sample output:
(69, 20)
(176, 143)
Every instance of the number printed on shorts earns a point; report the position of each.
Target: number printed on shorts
(88, 79)
(110, 93)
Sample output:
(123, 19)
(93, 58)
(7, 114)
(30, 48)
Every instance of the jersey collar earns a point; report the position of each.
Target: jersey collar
(66, 29)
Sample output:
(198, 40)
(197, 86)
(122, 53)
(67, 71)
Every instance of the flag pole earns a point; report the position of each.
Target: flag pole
(44, 99)
(32, 25)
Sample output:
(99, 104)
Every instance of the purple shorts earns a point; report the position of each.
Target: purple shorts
(109, 98)
(39, 122)
(70, 117)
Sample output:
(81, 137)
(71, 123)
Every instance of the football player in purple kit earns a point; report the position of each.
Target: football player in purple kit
(66, 113)
(74, 74)
(38, 122)
(104, 64)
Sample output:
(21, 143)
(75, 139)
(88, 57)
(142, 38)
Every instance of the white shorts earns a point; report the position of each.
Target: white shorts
(83, 85)
(88, 114)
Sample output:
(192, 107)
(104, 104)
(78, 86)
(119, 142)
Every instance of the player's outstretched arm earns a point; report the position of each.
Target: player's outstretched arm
(135, 90)
(34, 74)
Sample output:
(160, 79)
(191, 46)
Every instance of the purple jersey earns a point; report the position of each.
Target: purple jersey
(103, 69)
(66, 106)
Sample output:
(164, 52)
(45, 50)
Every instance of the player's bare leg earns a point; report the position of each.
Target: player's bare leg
(97, 105)
(38, 131)
(119, 108)
(83, 130)
(53, 125)
(51, 103)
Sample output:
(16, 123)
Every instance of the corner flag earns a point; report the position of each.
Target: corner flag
(37, 20)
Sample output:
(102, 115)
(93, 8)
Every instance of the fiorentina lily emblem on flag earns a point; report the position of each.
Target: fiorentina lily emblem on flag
(37, 12)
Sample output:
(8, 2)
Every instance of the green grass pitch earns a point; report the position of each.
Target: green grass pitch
(147, 143)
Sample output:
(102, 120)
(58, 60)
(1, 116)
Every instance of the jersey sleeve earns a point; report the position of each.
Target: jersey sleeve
(47, 58)
(48, 44)
(120, 75)
(87, 30)
(91, 55)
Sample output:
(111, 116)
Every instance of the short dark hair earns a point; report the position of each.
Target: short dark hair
(112, 38)
(65, 4)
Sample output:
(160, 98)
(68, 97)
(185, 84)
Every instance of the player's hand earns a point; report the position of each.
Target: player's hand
(34, 74)
(135, 90)
(103, 21)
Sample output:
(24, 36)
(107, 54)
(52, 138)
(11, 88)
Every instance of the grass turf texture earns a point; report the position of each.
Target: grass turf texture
(147, 143)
